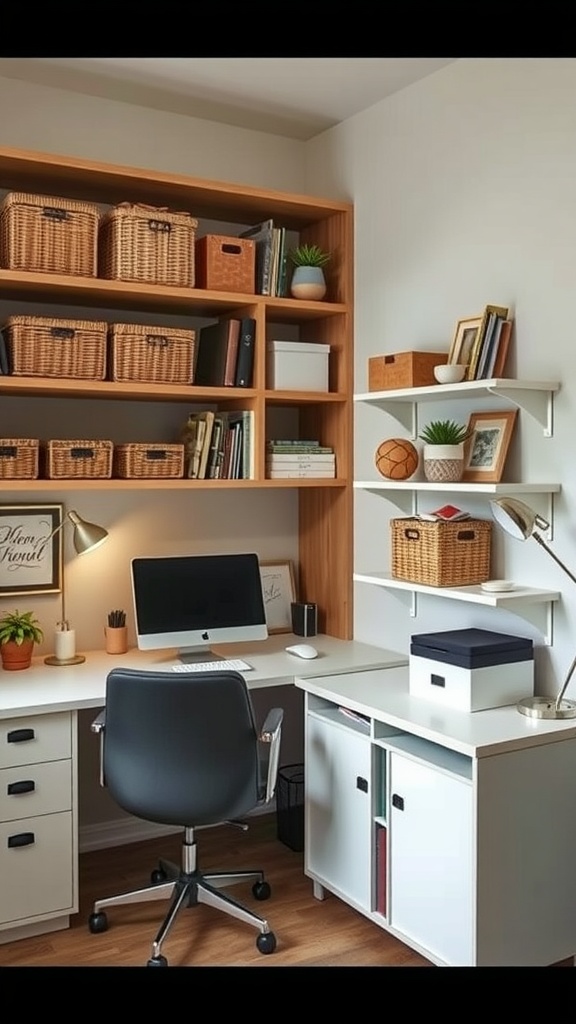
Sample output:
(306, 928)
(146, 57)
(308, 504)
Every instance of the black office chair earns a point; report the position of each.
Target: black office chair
(183, 749)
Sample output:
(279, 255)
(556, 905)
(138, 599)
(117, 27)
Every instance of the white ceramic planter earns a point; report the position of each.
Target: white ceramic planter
(443, 463)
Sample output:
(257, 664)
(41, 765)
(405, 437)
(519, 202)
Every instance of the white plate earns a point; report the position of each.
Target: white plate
(497, 586)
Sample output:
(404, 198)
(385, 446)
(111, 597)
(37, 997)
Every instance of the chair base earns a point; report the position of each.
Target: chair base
(186, 886)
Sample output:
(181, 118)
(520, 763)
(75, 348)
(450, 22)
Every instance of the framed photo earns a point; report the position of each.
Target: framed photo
(464, 340)
(279, 593)
(30, 549)
(486, 449)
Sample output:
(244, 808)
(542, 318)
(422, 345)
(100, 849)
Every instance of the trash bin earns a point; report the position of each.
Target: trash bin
(290, 806)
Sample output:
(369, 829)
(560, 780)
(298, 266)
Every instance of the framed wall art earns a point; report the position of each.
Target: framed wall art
(487, 446)
(30, 549)
(464, 340)
(279, 592)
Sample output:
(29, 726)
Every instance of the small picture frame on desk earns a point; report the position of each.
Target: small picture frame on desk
(30, 550)
(278, 591)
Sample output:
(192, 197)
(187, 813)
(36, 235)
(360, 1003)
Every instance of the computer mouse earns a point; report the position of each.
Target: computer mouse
(303, 651)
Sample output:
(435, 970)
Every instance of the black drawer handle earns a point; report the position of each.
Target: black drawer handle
(361, 784)
(437, 680)
(82, 453)
(156, 454)
(20, 735)
(7, 451)
(21, 839)
(231, 249)
(398, 801)
(26, 786)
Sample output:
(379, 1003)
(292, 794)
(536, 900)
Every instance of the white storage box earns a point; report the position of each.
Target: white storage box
(471, 669)
(297, 366)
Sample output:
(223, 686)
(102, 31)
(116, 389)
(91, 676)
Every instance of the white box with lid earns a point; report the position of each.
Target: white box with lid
(297, 366)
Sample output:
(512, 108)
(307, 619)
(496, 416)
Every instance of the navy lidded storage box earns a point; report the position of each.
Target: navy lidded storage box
(471, 669)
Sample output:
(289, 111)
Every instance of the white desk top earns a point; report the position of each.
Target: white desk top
(384, 696)
(42, 688)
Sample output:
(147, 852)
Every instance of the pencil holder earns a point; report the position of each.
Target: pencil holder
(116, 639)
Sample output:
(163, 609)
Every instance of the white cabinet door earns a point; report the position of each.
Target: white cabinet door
(431, 859)
(338, 809)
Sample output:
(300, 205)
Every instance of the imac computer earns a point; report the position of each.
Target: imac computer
(193, 601)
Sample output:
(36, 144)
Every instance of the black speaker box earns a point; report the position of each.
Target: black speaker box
(304, 618)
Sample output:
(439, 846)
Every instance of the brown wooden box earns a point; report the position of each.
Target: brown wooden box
(441, 554)
(145, 243)
(148, 461)
(48, 234)
(403, 370)
(225, 264)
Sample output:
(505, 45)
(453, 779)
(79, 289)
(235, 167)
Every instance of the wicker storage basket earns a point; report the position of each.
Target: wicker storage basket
(78, 460)
(163, 355)
(150, 461)
(441, 554)
(19, 458)
(403, 370)
(41, 347)
(145, 243)
(49, 234)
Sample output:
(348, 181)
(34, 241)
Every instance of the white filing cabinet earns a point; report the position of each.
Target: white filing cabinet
(454, 831)
(37, 824)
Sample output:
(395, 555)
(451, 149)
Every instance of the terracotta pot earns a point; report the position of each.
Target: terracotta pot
(16, 656)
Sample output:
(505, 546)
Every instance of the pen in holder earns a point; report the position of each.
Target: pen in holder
(116, 633)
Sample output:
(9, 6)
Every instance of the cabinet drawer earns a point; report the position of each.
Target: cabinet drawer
(35, 789)
(39, 876)
(34, 739)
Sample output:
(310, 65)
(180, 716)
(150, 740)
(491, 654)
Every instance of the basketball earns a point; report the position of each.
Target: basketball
(396, 458)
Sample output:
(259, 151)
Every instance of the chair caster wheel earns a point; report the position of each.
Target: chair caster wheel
(261, 890)
(157, 876)
(157, 961)
(98, 922)
(266, 943)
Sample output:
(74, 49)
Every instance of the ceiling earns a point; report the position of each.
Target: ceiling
(296, 97)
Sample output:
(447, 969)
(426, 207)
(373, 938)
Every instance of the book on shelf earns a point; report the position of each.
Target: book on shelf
(217, 357)
(296, 448)
(286, 474)
(295, 443)
(246, 344)
(231, 455)
(490, 345)
(262, 235)
(489, 316)
(498, 362)
(286, 460)
(196, 438)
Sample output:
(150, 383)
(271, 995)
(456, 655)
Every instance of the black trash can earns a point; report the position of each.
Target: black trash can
(290, 806)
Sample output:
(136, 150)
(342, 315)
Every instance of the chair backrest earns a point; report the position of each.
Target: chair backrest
(180, 749)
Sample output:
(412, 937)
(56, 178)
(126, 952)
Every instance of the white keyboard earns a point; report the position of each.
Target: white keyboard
(232, 665)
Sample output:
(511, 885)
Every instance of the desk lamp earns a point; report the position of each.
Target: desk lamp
(86, 537)
(520, 521)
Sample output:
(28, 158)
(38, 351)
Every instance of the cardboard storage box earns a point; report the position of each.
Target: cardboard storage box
(471, 669)
(403, 370)
(225, 264)
(297, 366)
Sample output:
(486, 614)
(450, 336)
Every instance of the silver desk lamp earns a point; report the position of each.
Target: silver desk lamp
(86, 537)
(520, 521)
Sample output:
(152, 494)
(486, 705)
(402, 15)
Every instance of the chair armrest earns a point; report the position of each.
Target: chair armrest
(99, 722)
(271, 733)
(99, 726)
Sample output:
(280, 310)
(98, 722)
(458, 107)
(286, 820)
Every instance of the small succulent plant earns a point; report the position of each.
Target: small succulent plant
(309, 256)
(444, 432)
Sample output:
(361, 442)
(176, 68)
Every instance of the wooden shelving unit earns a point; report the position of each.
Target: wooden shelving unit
(325, 506)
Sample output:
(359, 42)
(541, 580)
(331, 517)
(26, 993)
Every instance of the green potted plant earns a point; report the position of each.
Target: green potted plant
(19, 631)
(308, 280)
(444, 450)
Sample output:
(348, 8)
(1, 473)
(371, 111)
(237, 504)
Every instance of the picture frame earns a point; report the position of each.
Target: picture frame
(30, 549)
(465, 337)
(279, 592)
(486, 448)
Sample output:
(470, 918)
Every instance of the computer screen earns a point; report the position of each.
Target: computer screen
(193, 601)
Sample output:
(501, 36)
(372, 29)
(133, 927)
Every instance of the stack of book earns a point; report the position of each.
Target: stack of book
(218, 445)
(490, 348)
(286, 459)
(271, 257)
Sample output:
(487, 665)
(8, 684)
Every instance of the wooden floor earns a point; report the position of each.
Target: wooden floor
(309, 932)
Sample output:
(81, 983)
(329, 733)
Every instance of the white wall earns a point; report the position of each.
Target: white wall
(464, 195)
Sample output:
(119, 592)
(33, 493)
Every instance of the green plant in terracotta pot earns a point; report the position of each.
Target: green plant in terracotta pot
(444, 450)
(308, 281)
(19, 631)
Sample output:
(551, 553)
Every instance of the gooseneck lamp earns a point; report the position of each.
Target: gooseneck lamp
(86, 537)
(521, 522)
